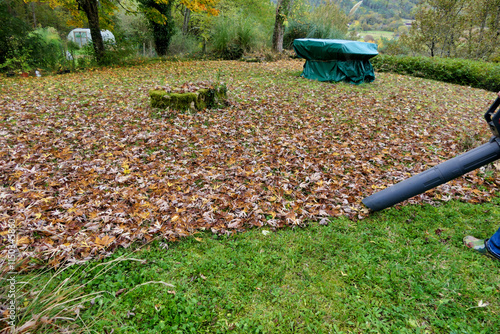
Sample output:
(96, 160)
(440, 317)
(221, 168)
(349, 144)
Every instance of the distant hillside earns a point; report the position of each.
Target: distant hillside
(377, 15)
(387, 9)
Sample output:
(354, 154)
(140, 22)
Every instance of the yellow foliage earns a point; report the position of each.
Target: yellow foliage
(202, 6)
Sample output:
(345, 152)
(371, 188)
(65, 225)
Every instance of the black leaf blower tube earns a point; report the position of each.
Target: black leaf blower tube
(443, 172)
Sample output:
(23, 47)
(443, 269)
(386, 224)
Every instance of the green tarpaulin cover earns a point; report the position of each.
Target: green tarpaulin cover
(336, 60)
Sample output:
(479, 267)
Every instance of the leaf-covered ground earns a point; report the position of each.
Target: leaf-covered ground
(87, 165)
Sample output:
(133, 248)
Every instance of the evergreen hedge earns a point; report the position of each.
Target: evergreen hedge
(476, 74)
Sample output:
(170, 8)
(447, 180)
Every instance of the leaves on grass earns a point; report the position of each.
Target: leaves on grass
(482, 304)
(86, 165)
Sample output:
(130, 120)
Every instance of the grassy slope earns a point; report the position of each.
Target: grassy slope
(378, 34)
(399, 270)
(403, 270)
(91, 155)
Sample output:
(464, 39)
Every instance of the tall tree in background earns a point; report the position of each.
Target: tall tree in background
(329, 21)
(91, 10)
(457, 28)
(12, 31)
(482, 31)
(158, 11)
(38, 14)
(186, 14)
(283, 8)
(425, 32)
(438, 25)
(159, 15)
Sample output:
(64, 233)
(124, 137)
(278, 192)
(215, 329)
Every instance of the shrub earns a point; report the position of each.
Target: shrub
(369, 38)
(232, 38)
(326, 31)
(314, 29)
(393, 47)
(45, 49)
(222, 37)
(16, 64)
(295, 30)
(13, 32)
(476, 74)
(181, 44)
(41, 48)
(310, 30)
(119, 52)
(116, 53)
(328, 21)
(246, 34)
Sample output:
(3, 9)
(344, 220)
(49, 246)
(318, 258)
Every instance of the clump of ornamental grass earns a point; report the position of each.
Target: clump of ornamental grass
(51, 303)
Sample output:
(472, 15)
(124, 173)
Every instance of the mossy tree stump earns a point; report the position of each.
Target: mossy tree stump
(180, 99)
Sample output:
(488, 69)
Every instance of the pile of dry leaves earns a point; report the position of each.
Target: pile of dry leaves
(87, 166)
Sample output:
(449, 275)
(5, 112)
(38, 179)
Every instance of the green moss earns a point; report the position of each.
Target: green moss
(203, 98)
(178, 101)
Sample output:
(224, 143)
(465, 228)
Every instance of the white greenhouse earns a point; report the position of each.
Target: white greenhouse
(82, 36)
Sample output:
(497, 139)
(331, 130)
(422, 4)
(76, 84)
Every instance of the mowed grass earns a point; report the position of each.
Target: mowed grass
(378, 34)
(403, 270)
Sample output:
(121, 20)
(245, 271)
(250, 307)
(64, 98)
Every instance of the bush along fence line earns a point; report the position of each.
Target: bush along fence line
(464, 72)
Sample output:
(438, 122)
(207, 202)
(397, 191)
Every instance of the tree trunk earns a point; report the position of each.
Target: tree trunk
(469, 40)
(162, 33)
(482, 29)
(34, 15)
(91, 10)
(185, 24)
(282, 12)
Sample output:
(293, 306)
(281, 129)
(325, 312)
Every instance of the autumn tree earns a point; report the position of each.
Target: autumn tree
(186, 14)
(438, 26)
(283, 8)
(91, 10)
(329, 21)
(456, 28)
(94, 10)
(482, 29)
(18, 38)
(159, 14)
(12, 31)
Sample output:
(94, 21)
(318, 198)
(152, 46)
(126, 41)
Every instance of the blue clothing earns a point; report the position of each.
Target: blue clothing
(493, 244)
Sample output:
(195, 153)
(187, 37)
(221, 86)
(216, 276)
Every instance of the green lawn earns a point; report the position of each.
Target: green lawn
(403, 270)
(377, 34)
(227, 204)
